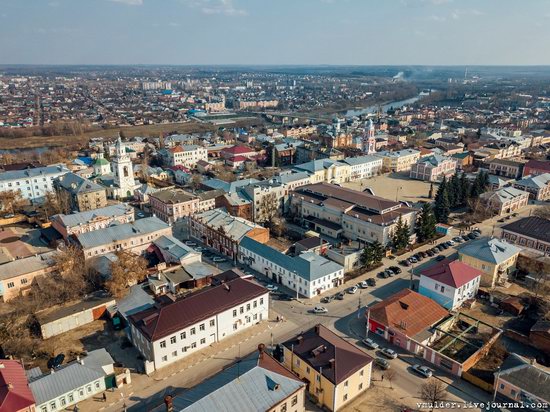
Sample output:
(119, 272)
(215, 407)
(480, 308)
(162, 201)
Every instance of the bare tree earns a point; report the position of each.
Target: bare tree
(390, 376)
(195, 182)
(126, 270)
(433, 392)
(58, 201)
(10, 201)
(543, 211)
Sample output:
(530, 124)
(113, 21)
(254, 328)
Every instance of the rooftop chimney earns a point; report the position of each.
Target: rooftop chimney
(261, 350)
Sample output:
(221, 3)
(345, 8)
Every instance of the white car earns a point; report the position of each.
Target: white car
(422, 370)
(320, 309)
(218, 259)
(369, 343)
(272, 288)
(364, 284)
(352, 290)
(451, 242)
(190, 243)
(388, 353)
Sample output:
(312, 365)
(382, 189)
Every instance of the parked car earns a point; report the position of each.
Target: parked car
(405, 262)
(371, 281)
(272, 288)
(458, 239)
(412, 259)
(450, 243)
(138, 214)
(364, 284)
(352, 290)
(422, 370)
(515, 214)
(477, 230)
(418, 257)
(382, 274)
(445, 246)
(471, 236)
(382, 363)
(190, 243)
(430, 253)
(476, 234)
(54, 363)
(395, 269)
(439, 258)
(388, 353)
(389, 273)
(340, 296)
(284, 296)
(199, 249)
(369, 343)
(320, 309)
(500, 220)
(423, 254)
(326, 299)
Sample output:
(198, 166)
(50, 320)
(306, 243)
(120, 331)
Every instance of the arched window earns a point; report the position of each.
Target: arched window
(125, 171)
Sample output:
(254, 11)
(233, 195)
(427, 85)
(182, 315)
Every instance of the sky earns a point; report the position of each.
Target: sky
(275, 32)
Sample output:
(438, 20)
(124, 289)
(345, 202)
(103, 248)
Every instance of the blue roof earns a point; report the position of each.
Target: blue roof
(308, 266)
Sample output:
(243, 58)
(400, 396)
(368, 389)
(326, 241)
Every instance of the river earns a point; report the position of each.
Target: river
(395, 104)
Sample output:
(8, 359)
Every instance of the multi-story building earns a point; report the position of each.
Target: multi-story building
(339, 213)
(134, 237)
(255, 104)
(506, 168)
(73, 382)
(82, 194)
(336, 370)
(450, 283)
(172, 205)
(17, 276)
(32, 184)
(265, 196)
(308, 274)
(494, 257)
(363, 167)
(219, 230)
(505, 200)
(433, 168)
(299, 131)
(326, 170)
(400, 160)
(207, 200)
(530, 232)
(166, 334)
(534, 168)
(538, 186)
(183, 155)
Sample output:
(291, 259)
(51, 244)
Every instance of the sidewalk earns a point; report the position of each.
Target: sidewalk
(146, 392)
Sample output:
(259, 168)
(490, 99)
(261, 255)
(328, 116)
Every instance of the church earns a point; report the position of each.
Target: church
(118, 176)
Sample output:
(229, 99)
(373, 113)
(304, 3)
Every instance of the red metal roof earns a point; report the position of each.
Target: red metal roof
(237, 150)
(408, 311)
(454, 274)
(15, 393)
(156, 323)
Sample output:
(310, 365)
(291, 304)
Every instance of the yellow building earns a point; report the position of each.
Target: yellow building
(400, 160)
(496, 258)
(334, 370)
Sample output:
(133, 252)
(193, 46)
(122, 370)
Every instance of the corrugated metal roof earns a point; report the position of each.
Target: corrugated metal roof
(26, 265)
(36, 172)
(75, 219)
(489, 250)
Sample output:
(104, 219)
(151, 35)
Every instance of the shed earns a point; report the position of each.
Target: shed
(512, 305)
(63, 319)
(443, 228)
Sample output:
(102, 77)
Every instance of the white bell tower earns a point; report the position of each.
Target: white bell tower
(123, 170)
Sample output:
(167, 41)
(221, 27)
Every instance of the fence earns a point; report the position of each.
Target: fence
(480, 383)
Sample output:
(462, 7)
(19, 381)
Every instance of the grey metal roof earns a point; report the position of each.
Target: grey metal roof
(397, 153)
(76, 219)
(234, 227)
(174, 247)
(70, 377)
(135, 301)
(308, 265)
(74, 183)
(490, 250)
(504, 194)
(36, 172)
(536, 182)
(359, 160)
(243, 387)
(520, 372)
(120, 232)
(228, 187)
(26, 265)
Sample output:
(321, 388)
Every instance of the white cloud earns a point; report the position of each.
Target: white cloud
(129, 2)
(437, 18)
(457, 14)
(224, 7)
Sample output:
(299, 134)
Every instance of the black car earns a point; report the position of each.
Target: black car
(384, 274)
(430, 253)
(439, 258)
(423, 254)
(444, 246)
(371, 281)
(419, 257)
(405, 263)
(395, 269)
(465, 237)
(471, 236)
(56, 362)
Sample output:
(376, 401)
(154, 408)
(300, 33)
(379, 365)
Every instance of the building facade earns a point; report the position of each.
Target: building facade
(82, 194)
(172, 205)
(530, 232)
(400, 160)
(32, 184)
(538, 186)
(363, 167)
(505, 200)
(433, 168)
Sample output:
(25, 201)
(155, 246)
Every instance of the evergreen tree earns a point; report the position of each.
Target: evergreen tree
(464, 188)
(372, 254)
(431, 192)
(425, 225)
(442, 206)
(485, 183)
(455, 197)
(401, 234)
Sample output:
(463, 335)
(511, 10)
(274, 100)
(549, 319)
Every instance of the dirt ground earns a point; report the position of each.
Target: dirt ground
(381, 399)
(394, 185)
(20, 241)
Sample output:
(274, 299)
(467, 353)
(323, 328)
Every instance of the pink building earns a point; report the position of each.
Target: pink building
(433, 168)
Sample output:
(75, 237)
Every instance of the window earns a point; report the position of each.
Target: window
(283, 407)
(361, 373)
(53, 406)
(501, 386)
(241, 309)
(175, 353)
(193, 331)
(360, 386)
(212, 322)
(63, 401)
(97, 385)
(513, 393)
(235, 326)
(163, 344)
(23, 281)
(201, 326)
(203, 341)
(173, 339)
(11, 285)
(89, 388)
(71, 397)
(294, 401)
(81, 393)
(182, 335)
(261, 301)
(247, 307)
(164, 358)
(234, 312)
(307, 369)
(44, 409)
(345, 397)
(193, 345)
(345, 384)
(255, 304)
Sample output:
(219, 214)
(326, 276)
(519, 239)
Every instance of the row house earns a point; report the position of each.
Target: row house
(530, 232)
(533, 167)
(184, 155)
(325, 170)
(506, 168)
(433, 168)
(172, 205)
(307, 274)
(399, 160)
(169, 333)
(219, 230)
(363, 167)
(91, 220)
(32, 184)
(505, 200)
(538, 186)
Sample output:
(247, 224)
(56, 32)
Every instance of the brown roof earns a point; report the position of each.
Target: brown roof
(323, 191)
(172, 196)
(319, 346)
(408, 311)
(156, 323)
